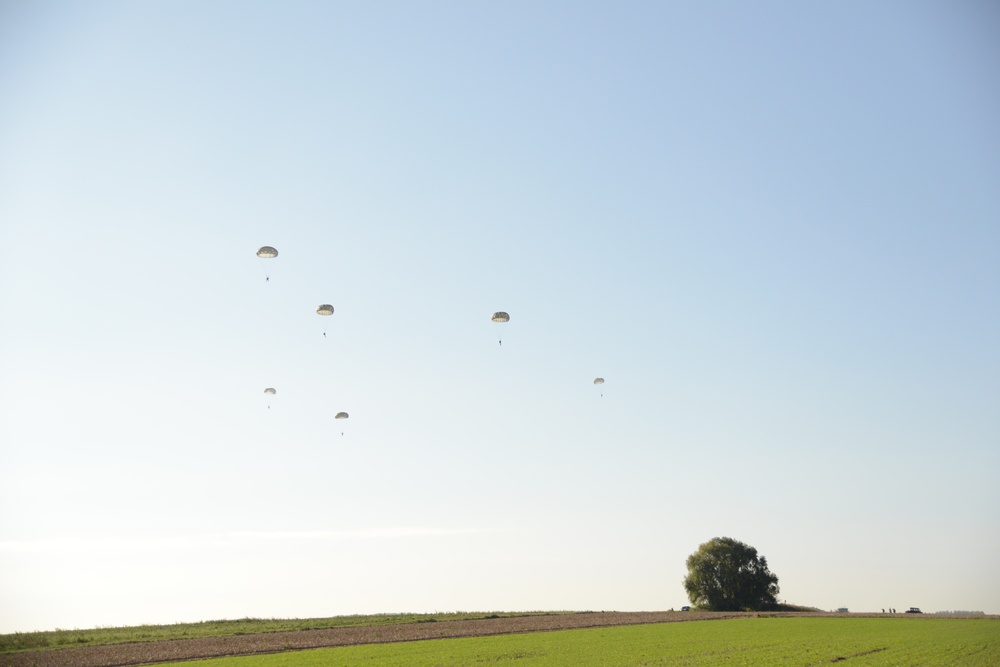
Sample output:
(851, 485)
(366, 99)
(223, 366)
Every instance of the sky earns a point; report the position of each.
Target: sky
(772, 227)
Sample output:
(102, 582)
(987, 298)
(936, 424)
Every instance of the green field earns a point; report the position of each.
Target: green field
(752, 641)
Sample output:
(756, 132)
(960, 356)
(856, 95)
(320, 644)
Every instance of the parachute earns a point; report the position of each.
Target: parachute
(325, 310)
(341, 415)
(599, 381)
(500, 317)
(267, 252)
(270, 391)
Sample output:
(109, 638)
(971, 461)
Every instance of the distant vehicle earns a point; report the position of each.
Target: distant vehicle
(685, 608)
(914, 610)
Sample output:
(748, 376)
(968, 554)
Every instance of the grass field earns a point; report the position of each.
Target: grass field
(753, 641)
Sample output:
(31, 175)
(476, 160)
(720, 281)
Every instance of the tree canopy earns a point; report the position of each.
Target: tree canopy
(727, 575)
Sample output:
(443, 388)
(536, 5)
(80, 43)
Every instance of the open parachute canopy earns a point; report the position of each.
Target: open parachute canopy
(267, 252)
(598, 380)
(500, 316)
(271, 391)
(341, 415)
(325, 309)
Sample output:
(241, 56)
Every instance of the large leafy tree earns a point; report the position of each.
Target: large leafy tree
(727, 575)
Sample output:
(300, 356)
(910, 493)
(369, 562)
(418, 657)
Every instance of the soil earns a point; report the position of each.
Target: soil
(149, 653)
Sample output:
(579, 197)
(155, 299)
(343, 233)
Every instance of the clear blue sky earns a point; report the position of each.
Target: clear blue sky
(773, 227)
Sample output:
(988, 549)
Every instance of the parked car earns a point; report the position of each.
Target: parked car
(914, 610)
(685, 608)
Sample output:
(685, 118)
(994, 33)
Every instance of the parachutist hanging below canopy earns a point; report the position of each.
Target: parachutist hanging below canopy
(325, 310)
(599, 381)
(342, 415)
(500, 317)
(267, 252)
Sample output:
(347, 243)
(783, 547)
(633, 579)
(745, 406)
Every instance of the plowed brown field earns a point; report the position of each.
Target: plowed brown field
(148, 653)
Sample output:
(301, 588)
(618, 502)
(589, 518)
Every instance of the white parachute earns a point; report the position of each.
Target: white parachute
(267, 252)
(342, 415)
(500, 317)
(326, 310)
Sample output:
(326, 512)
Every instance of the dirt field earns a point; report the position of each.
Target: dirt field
(150, 653)
(210, 647)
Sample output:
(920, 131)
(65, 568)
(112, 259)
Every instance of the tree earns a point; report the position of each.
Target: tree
(728, 575)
